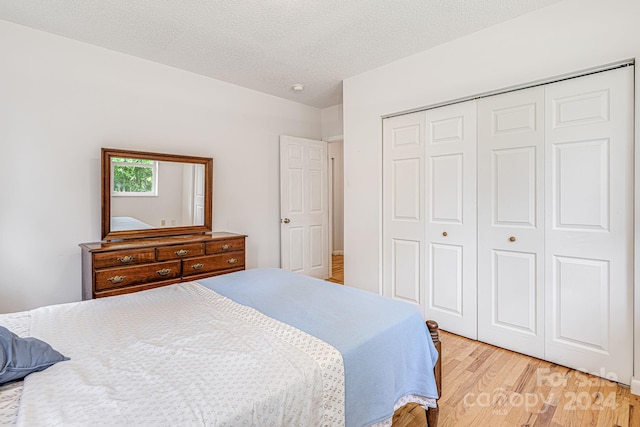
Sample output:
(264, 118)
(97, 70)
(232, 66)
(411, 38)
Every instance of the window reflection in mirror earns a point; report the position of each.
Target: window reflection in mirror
(134, 177)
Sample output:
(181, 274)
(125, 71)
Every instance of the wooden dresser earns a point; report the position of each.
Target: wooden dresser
(120, 267)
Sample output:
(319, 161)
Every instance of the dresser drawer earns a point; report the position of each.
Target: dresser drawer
(211, 263)
(179, 251)
(122, 258)
(222, 246)
(112, 278)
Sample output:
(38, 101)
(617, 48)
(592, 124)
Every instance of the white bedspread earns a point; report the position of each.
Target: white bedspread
(19, 324)
(180, 355)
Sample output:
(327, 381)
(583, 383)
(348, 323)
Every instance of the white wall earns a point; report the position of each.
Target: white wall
(336, 163)
(332, 122)
(332, 130)
(566, 37)
(61, 100)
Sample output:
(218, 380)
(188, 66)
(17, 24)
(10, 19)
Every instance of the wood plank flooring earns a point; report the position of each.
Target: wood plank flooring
(483, 385)
(337, 269)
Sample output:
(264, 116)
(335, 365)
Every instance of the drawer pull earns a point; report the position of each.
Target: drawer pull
(116, 279)
(126, 259)
(232, 261)
(164, 271)
(182, 252)
(225, 247)
(197, 266)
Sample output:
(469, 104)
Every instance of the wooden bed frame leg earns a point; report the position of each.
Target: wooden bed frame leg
(432, 417)
(432, 413)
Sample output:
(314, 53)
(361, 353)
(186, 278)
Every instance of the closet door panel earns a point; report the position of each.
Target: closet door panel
(511, 221)
(514, 291)
(514, 178)
(580, 290)
(446, 188)
(451, 217)
(582, 201)
(403, 208)
(446, 268)
(405, 283)
(405, 189)
(589, 238)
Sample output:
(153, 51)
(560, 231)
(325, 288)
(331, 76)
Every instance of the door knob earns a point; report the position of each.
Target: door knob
(286, 220)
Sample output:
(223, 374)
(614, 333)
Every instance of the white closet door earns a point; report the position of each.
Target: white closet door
(589, 196)
(510, 221)
(403, 213)
(451, 218)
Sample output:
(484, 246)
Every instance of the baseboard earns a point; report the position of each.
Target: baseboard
(635, 386)
(338, 253)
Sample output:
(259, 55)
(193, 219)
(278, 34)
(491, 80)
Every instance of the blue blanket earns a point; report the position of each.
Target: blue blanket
(385, 344)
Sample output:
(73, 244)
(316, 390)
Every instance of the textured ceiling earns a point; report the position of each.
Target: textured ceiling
(268, 45)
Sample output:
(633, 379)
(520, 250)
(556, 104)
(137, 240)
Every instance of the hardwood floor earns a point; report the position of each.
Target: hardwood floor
(337, 269)
(483, 385)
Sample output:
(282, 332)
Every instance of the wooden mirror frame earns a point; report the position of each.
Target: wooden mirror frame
(107, 234)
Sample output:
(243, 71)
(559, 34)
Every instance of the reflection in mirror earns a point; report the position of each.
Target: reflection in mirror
(155, 194)
(150, 194)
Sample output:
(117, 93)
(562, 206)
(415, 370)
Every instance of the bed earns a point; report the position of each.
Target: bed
(256, 347)
(126, 223)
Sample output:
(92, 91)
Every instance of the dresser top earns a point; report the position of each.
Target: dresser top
(158, 241)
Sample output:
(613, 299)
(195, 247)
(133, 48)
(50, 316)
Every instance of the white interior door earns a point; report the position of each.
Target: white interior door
(589, 238)
(198, 194)
(403, 214)
(304, 211)
(451, 218)
(511, 221)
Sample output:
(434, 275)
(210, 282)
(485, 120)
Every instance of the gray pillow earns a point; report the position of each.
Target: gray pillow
(21, 356)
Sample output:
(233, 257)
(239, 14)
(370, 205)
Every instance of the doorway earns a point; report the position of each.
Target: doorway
(336, 209)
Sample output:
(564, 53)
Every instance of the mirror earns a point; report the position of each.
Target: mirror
(153, 194)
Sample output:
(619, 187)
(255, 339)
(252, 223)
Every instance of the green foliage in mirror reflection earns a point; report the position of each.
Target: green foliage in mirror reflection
(134, 177)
